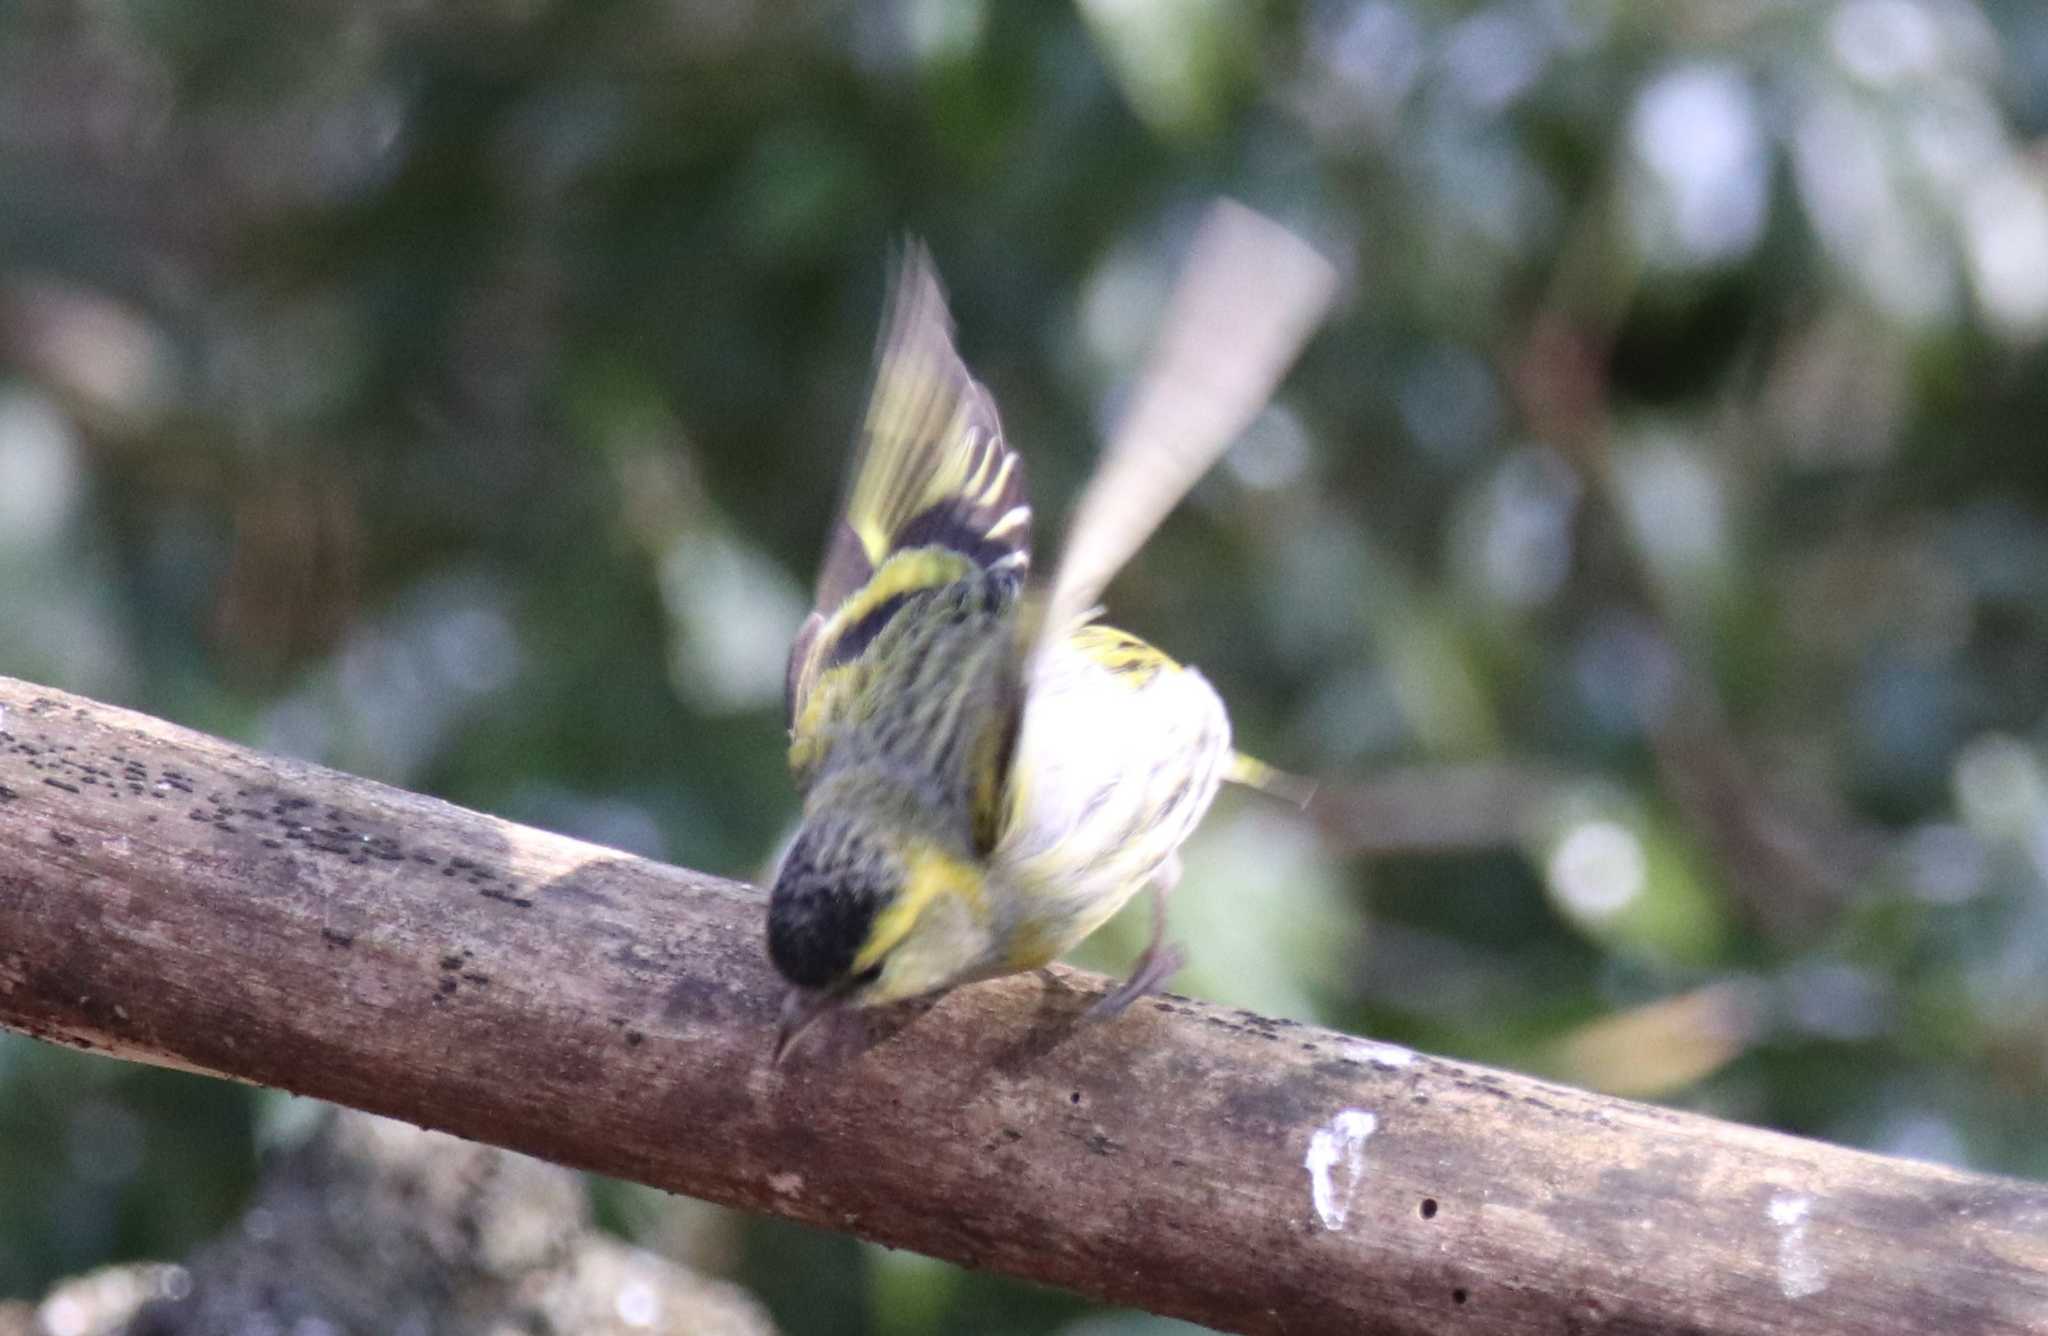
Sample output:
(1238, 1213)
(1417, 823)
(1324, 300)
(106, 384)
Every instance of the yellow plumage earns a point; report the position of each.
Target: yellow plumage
(988, 775)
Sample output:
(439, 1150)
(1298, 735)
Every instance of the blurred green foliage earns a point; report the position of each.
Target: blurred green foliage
(1651, 558)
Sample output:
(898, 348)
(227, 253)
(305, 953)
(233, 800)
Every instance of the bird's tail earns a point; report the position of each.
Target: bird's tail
(1253, 773)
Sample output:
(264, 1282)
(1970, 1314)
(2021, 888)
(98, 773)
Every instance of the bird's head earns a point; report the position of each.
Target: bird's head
(866, 913)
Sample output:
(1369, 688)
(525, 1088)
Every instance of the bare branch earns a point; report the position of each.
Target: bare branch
(170, 898)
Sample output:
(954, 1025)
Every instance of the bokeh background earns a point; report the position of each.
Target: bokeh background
(1651, 557)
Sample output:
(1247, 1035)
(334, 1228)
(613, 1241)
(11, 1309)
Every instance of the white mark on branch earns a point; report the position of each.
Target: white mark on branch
(1799, 1272)
(1387, 1057)
(786, 1184)
(1336, 1164)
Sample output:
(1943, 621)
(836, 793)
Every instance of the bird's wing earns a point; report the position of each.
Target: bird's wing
(1248, 297)
(934, 493)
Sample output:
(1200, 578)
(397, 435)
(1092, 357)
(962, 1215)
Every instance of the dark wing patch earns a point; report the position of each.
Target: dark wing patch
(962, 525)
(857, 635)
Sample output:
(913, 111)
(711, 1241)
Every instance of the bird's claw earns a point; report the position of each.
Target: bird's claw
(1155, 967)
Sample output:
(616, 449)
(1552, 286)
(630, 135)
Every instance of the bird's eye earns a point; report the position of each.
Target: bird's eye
(867, 976)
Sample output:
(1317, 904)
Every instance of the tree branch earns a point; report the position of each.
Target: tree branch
(170, 898)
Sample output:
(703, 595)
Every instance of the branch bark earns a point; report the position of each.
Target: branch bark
(170, 898)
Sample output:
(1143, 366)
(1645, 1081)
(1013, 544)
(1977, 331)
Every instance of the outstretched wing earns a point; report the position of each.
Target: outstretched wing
(1248, 297)
(934, 494)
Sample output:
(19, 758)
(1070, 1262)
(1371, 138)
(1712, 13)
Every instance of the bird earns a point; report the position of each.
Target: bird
(989, 772)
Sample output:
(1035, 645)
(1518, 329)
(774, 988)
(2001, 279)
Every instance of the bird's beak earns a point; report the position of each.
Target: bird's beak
(800, 1008)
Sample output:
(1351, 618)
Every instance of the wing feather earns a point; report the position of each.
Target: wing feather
(932, 466)
(932, 483)
(1248, 297)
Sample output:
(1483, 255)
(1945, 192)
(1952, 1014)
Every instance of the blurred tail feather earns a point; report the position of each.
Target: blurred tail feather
(1253, 773)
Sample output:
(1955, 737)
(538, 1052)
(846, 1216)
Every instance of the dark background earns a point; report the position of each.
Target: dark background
(1651, 557)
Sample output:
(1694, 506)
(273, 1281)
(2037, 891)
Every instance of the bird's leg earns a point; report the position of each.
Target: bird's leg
(1161, 959)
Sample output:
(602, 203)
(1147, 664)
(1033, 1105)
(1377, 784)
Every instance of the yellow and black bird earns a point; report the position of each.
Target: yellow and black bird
(988, 773)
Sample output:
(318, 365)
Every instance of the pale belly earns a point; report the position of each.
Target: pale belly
(1114, 771)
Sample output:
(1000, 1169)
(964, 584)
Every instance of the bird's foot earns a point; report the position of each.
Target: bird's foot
(1155, 967)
